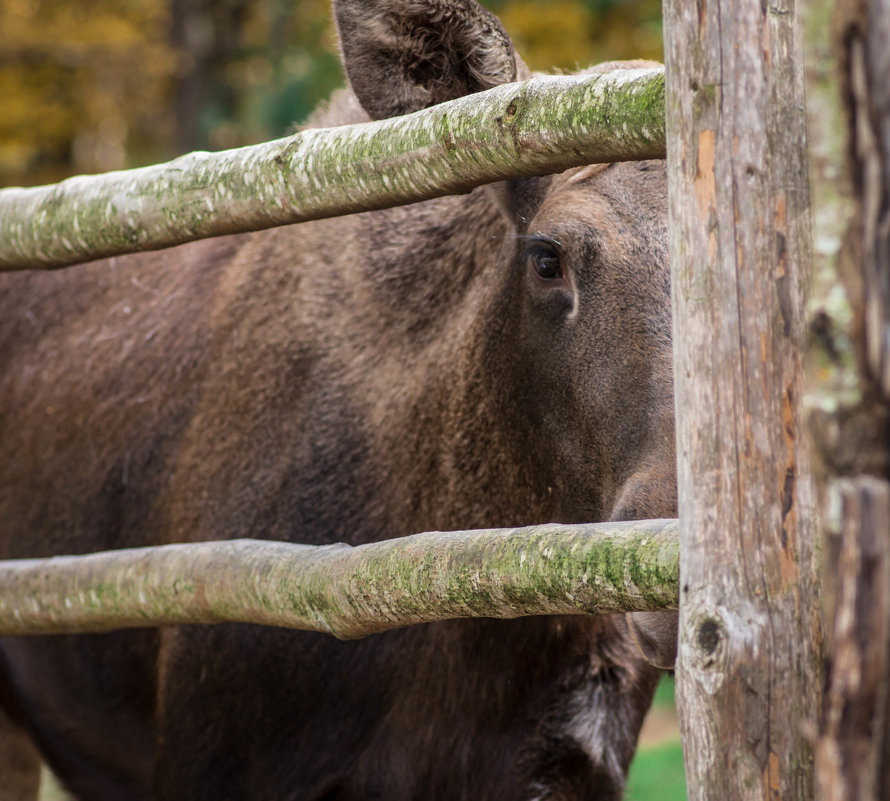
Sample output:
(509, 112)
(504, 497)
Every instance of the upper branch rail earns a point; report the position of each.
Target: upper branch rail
(544, 125)
(350, 592)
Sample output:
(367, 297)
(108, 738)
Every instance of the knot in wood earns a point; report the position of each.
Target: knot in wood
(708, 635)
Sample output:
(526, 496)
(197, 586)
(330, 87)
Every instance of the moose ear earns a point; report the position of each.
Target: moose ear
(405, 55)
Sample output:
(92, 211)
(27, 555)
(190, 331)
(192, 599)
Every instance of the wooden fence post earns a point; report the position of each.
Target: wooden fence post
(750, 627)
(849, 394)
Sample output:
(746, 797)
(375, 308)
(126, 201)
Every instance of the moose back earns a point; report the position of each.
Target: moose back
(493, 359)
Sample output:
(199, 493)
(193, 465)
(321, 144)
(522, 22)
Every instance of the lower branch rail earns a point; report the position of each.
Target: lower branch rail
(350, 591)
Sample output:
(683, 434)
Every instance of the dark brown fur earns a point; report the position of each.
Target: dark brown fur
(345, 380)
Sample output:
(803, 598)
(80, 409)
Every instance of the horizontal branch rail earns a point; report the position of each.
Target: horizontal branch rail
(544, 125)
(350, 592)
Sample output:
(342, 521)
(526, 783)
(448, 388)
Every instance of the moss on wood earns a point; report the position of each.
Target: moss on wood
(544, 125)
(350, 592)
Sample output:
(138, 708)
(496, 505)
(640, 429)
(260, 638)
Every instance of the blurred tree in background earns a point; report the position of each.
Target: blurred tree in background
(95, 85)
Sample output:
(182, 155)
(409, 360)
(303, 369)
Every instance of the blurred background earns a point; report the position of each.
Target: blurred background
(94, 85)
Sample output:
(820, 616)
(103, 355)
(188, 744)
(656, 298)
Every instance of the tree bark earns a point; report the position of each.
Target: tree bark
(545, 125)
(350, 592)
(749, 664)
(849, 399)
(852, 748)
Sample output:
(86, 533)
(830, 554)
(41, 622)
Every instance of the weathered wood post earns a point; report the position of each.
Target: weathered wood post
(748, 667)
(849, 394)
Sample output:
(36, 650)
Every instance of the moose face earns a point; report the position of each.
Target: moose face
(592, 332)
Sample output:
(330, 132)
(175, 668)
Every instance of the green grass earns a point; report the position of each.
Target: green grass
(664, 693)
(656, 774)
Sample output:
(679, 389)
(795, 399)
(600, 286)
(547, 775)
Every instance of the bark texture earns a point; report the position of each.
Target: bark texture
(545, 125)
(849, 399)
(350, 592)
(748, 667)
(852, 748)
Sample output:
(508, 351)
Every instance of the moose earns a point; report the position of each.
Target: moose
(497, 358)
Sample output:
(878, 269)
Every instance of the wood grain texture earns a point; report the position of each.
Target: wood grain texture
(750, 628)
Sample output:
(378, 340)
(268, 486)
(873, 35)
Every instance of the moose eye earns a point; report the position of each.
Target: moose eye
(545, 262)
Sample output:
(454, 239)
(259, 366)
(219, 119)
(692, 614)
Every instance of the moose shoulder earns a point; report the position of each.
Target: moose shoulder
(493, 359)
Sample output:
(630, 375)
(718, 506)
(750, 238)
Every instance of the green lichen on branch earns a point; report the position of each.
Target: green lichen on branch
(545, 125)
(350, 592)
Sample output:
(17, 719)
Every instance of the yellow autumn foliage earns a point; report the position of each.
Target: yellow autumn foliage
(74, 79)
(95, 85)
